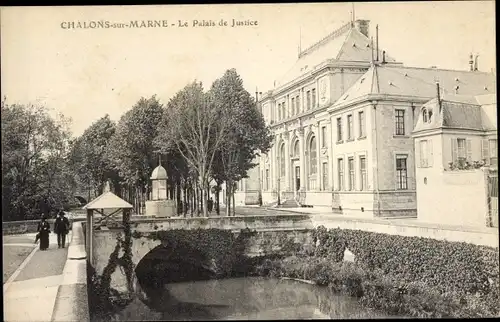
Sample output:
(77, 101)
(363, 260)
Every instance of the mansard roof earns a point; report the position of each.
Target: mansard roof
(393, 80)
(456, 112)
(344, 44)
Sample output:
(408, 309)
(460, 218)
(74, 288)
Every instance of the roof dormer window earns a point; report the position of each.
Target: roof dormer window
(427, 115)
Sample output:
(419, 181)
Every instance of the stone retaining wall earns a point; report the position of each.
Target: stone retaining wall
(72, 296)
(22, 227)
(26, 226)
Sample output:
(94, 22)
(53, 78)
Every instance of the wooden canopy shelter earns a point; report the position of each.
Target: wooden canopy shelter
(107, 200)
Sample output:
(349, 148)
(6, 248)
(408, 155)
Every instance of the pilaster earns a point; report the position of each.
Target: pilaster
(318, 157)
(286, 139)
(302, 160)
(331, 159)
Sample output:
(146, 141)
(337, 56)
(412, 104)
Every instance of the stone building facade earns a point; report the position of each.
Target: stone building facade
(342, 120)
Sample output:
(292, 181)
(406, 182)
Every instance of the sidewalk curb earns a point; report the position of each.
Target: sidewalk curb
(72, 296)
(287, 210)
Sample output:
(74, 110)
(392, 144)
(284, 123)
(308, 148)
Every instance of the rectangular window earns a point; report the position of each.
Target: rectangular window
(283, 105)
(351, 173)
(462, 153)
(401, 172)
(340, 165)
(323, 137)
(339, 129)
(313, 94)
(297, 101)
(267, 179)
(325, 176)
(493, 145)
(349, 127)
(423, 154)
(279, 111)
(361, 119)
(293, 106)
(400, 122)
(362, 172)
(308, 95)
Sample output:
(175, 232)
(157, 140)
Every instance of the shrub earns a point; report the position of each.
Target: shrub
(449, 266)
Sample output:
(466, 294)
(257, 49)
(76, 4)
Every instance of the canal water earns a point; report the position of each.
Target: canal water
(248, 298)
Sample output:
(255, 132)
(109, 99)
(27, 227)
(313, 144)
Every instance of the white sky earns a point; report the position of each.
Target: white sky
(86, 73)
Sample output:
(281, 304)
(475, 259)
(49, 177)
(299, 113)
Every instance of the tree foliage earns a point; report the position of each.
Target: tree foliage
(35, 175)
(193, 125)
(89, 155)
(131, 147)
(203, 135)
(246, 135)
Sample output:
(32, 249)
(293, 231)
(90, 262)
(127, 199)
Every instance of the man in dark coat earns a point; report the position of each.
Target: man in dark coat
(43, 233)
(61, 228)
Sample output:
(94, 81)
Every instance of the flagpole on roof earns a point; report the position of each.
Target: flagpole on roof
(300, 39)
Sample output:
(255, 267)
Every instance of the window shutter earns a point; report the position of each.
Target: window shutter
(454, 149)
(418, 162)
(485, 151)
(430, 155)
(469, 149)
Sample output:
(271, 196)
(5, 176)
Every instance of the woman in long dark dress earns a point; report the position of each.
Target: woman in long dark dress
(44, 231)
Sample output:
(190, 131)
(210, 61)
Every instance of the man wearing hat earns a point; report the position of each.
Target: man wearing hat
(61, 228)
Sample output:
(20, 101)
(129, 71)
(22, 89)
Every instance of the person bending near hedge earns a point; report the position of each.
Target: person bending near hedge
(61, 228)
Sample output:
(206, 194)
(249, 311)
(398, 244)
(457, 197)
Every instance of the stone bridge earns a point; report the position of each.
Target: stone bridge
(117, 250)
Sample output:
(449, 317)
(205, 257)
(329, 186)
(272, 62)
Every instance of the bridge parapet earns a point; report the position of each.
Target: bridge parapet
(266, 222)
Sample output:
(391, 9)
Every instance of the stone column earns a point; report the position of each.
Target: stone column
(288, 106)
(306, 158)
(291, 170)
(276, 171)
(270, 165)
(318, 157)
(302, 100)
(331, 158)
(302, 160)
(286, 139)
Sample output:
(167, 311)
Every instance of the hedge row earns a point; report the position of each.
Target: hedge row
(378, 291)
(460, 268)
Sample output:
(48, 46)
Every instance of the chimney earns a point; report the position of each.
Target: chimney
(362, 26)
(475, 63)
(383, 57)
(438, 95)
(471, 63)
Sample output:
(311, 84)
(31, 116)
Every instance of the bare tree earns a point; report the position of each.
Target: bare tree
(194, 127)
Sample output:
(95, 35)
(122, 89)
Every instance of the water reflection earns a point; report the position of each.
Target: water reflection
(245, 299)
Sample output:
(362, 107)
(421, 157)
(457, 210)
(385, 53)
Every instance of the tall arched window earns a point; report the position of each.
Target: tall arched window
(313, 166)
(296, 149)
(282, 160)
(424, 115)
